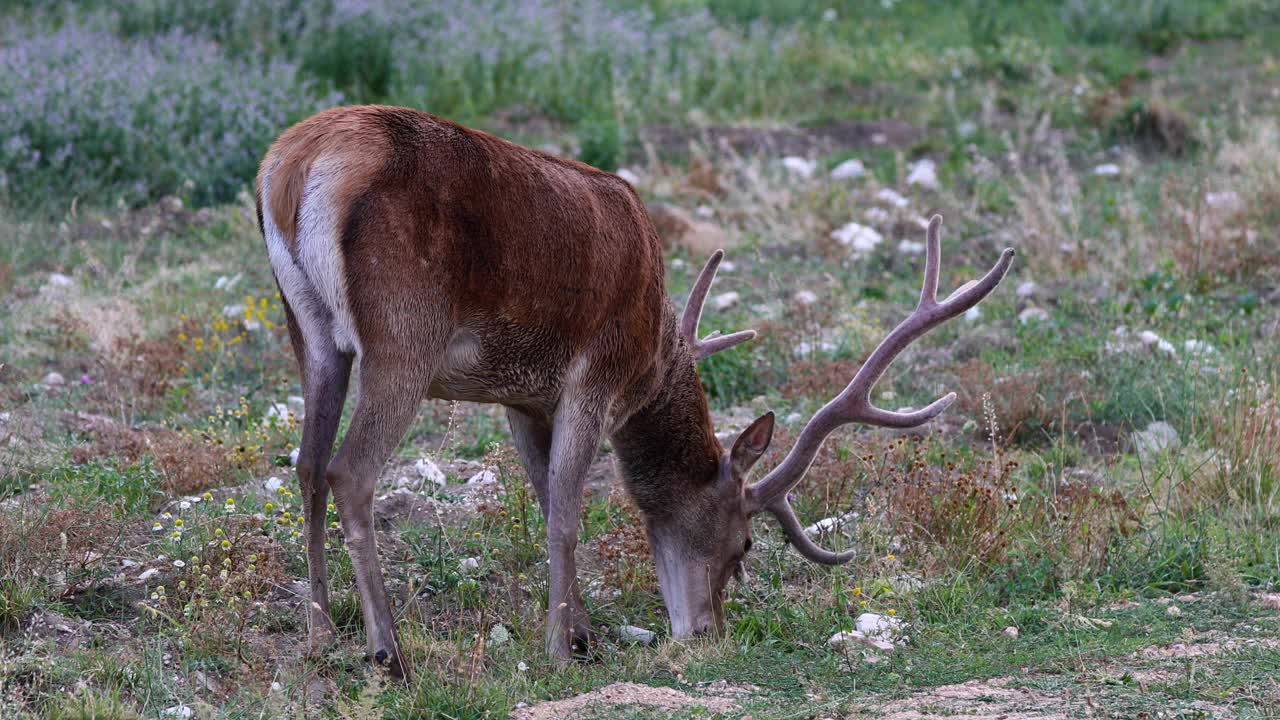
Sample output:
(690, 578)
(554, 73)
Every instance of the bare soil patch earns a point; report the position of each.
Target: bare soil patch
(620, 695)
(981, 700)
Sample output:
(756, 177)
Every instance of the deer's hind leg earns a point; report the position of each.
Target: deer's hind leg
(390, 390)
(325, 373)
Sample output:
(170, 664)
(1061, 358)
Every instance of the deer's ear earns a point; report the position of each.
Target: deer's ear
(750, 445)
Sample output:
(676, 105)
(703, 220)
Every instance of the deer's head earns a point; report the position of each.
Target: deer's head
(699, 546)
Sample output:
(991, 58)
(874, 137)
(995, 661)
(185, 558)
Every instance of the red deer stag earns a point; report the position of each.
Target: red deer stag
(449, 263)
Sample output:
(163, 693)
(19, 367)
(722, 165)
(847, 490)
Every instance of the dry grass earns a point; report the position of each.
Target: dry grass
(1222, 223)
(1029, 405)
(1247, 432)
(186, 466)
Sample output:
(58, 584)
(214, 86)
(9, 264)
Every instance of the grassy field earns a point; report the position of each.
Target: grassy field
(1093, 529)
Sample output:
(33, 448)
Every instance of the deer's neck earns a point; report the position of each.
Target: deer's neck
(669, 443)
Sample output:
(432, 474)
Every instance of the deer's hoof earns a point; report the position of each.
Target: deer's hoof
(391, 662)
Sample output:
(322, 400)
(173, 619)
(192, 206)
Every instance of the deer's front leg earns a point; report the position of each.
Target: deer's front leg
(575, 440)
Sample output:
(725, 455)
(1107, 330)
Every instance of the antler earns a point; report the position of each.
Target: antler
(854, 403)
(715, 342)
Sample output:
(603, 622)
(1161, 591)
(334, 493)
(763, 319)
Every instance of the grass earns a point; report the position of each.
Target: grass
(128, 267)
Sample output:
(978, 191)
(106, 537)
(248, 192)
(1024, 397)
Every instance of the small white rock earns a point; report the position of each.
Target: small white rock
(727, 300)
(628, 175)
(1107, 169)
(1157, 437)
(178, 711)
(484, 477)
(1033, 314)
(53, 379)
(973, 314)
(1150, 339)
(805, 297)
(60, 280)
(631, 633)
(233, 310)
(1026, 289)
(728, 266)
(910, 247)
(850, 169)
(470, 563)
(273, 484)
(829, 525)
(1227, 200)
(843, 641)
(293, 457)
(148, 574)
(799, 166)
(925, 174)
(1173, 611)
(1010, 632)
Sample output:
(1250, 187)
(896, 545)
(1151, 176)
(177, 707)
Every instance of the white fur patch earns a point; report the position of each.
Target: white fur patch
(311, 300)
(319, 251)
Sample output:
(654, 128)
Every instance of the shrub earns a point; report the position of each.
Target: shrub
(90, 115)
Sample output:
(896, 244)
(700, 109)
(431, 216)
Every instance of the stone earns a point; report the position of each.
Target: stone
(1159, 436)
(850, 169)
(628, 175)
(273, 484)
(470, 563)
(1033, 314)
(829, 525)
(1026, 290)
(634, 634)
(1151, 340)
(727, 300)
(805, 297)
(53, 379)
(800, 167)
(1010, 632)
(1107, 170)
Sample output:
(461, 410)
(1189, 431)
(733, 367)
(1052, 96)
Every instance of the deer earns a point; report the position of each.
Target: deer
(444, 262)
